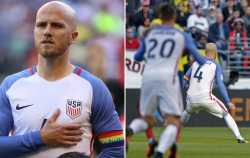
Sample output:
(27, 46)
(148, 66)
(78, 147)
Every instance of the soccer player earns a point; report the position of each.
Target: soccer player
(199, 94)
(160, 84)
(55, 107)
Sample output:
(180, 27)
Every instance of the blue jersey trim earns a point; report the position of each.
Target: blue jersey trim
(221, 85)
(104, 118)
(139, 54)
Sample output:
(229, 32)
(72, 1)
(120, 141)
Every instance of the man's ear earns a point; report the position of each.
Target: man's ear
(73, 37)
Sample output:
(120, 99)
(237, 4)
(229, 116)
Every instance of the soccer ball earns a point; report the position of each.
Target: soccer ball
(159, 117)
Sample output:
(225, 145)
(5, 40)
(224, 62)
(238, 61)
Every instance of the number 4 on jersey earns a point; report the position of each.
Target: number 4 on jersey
(200, 74)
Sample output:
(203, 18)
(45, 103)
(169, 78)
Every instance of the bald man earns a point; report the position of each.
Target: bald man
(199, 94)
(55, 107)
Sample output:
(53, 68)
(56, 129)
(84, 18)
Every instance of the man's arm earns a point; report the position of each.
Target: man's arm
(206, 25)
(221, 85)
(16, 145)
(227, 30)
(139, 56)
(210, 37)
(106, 123)
(191, 48)
(186, 77)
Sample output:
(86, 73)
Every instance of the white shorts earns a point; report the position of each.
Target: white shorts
(214, 106)
(167, 95)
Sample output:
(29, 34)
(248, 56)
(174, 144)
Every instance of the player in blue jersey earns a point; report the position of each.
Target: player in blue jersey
(163, 46)
(199, 94)
(55, 107)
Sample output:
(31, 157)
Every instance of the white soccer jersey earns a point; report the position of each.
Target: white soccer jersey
(29, 101)
(163, 47)
(201, 80)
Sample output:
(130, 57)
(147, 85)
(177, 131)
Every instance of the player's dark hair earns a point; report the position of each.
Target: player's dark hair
(199, 6)
(167, 12)
(73, 155)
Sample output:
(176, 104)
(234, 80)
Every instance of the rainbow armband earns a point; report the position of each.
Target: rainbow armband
(111, 139)
(186, 77)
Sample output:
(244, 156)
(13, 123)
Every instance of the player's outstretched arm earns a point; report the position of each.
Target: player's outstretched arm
(186, 77)
(221, 85)
(106, 123)
(139, 56)
(191, 48)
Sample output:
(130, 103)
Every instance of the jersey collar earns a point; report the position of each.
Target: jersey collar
(209, 58)
(77, 70)
(166, 26)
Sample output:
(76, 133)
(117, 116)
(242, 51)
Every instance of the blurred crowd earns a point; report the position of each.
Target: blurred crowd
(223, 22)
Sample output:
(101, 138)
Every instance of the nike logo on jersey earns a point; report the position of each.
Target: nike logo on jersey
(19, 108)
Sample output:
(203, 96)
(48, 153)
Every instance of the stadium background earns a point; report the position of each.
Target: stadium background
(204, 135)
(99, 47)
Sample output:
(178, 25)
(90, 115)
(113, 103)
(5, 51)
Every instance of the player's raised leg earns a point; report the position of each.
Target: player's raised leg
(148, 103)
(139, 125)
(152, 143)
(184, 117)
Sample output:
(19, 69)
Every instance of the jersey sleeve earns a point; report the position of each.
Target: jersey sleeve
(106, 123)
(186, 77)
(14, 146)
(139, 56)
(221, 85)
(191, 48)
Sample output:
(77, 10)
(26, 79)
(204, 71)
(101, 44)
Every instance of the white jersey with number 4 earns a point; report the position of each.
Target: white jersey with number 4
(201, 81)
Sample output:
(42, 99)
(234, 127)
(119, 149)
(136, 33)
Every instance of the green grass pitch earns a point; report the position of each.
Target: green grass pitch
(194, 142)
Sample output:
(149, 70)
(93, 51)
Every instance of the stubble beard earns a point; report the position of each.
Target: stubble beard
(52, 53)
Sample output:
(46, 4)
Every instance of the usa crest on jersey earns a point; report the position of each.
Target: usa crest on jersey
(74, 108)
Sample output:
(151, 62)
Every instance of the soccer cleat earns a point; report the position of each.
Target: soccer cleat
(151, 148)
(158, 155)
(242, 141)
(173, 151)
(129, 133)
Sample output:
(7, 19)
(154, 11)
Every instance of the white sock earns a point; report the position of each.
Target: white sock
(138, 125)
(167, 138)
(150, 140)
(184, 117)
(232, 125)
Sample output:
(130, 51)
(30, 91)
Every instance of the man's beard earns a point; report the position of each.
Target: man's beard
(199, 14)
(52, 54)
(212, 15)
